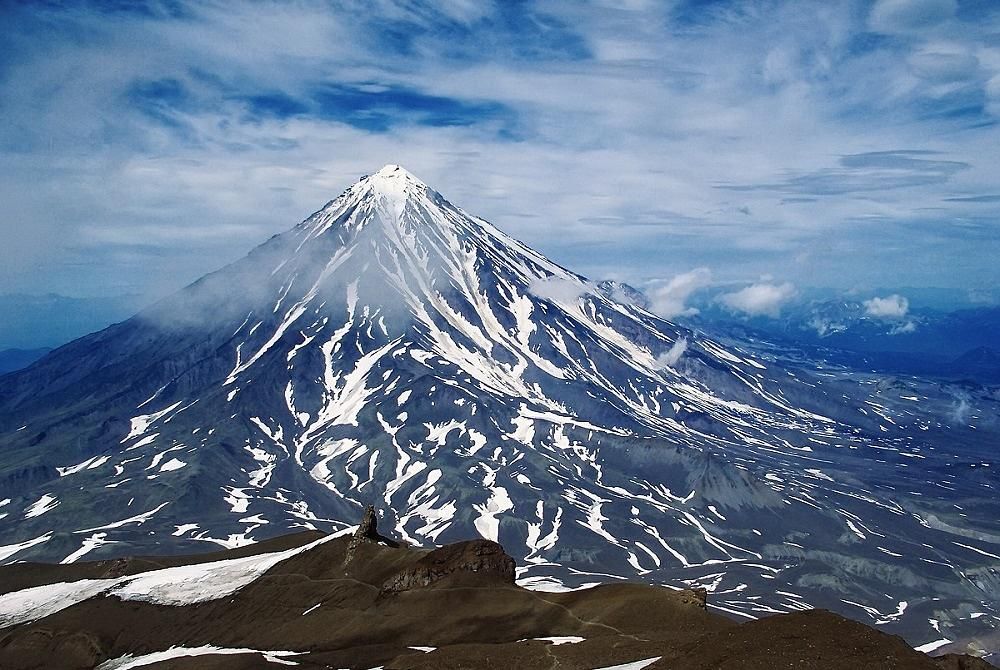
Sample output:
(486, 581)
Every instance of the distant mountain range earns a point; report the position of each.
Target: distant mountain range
(955, 345)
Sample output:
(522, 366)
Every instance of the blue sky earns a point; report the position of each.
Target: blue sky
(783, 144)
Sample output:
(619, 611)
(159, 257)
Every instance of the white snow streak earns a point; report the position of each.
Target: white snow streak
(182, 585)
(88, 464)
(41, 506)
(6, 551)
(634, 665)
(137, 519)
(129, 661)
(89, 544)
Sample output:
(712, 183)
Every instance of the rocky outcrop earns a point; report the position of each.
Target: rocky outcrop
(698, 596)
(479, 561)
(116, 567)
(367, 533)
(961, 662)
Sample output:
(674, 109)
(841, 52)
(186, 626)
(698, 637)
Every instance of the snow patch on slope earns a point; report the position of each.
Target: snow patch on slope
(182, 585)
(129, 661)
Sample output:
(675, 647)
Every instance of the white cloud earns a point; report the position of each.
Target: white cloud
(557, 289)
(961, 409)
(668, 300)
(890, 16)
(669, 358)
(824, 326)
(993, 95)
(763, 299)
(890, 307)
(944, 62)
(624, 294)
(668, 114)
(904, 328)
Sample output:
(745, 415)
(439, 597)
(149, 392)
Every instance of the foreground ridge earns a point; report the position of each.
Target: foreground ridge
(399, 608)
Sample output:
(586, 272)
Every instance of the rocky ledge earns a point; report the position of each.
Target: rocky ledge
(363, 601)
(478, 561)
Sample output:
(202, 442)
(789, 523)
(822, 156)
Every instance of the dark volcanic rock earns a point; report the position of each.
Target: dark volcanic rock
(483, 559)
(962, 662)
(368, 528)
(44, 648)
(384, 615)
(367, 533)
(116, 567)
(809, 639)
(700, 596)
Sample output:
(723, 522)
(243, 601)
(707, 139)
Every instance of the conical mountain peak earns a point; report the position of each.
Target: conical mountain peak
(394, 183)
(392, 172)
(393, 209)
(383, 195)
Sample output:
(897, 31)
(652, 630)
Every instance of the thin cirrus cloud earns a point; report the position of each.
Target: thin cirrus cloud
(894, 16)
(976, 198)
(367, 106)
(630, 140)
(860, 173)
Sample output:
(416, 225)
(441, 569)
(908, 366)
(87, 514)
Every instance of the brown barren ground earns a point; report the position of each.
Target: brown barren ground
(458, 599)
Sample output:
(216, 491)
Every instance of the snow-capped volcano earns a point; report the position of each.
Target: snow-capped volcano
(393, 350)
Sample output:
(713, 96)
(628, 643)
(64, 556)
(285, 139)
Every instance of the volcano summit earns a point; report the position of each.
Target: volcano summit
(393, 350)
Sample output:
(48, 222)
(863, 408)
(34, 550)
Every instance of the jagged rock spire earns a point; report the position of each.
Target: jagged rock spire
(367, 532)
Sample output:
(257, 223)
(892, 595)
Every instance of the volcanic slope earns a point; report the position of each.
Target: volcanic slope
(393, 349)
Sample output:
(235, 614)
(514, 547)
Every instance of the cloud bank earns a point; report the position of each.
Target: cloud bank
(762, 299)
